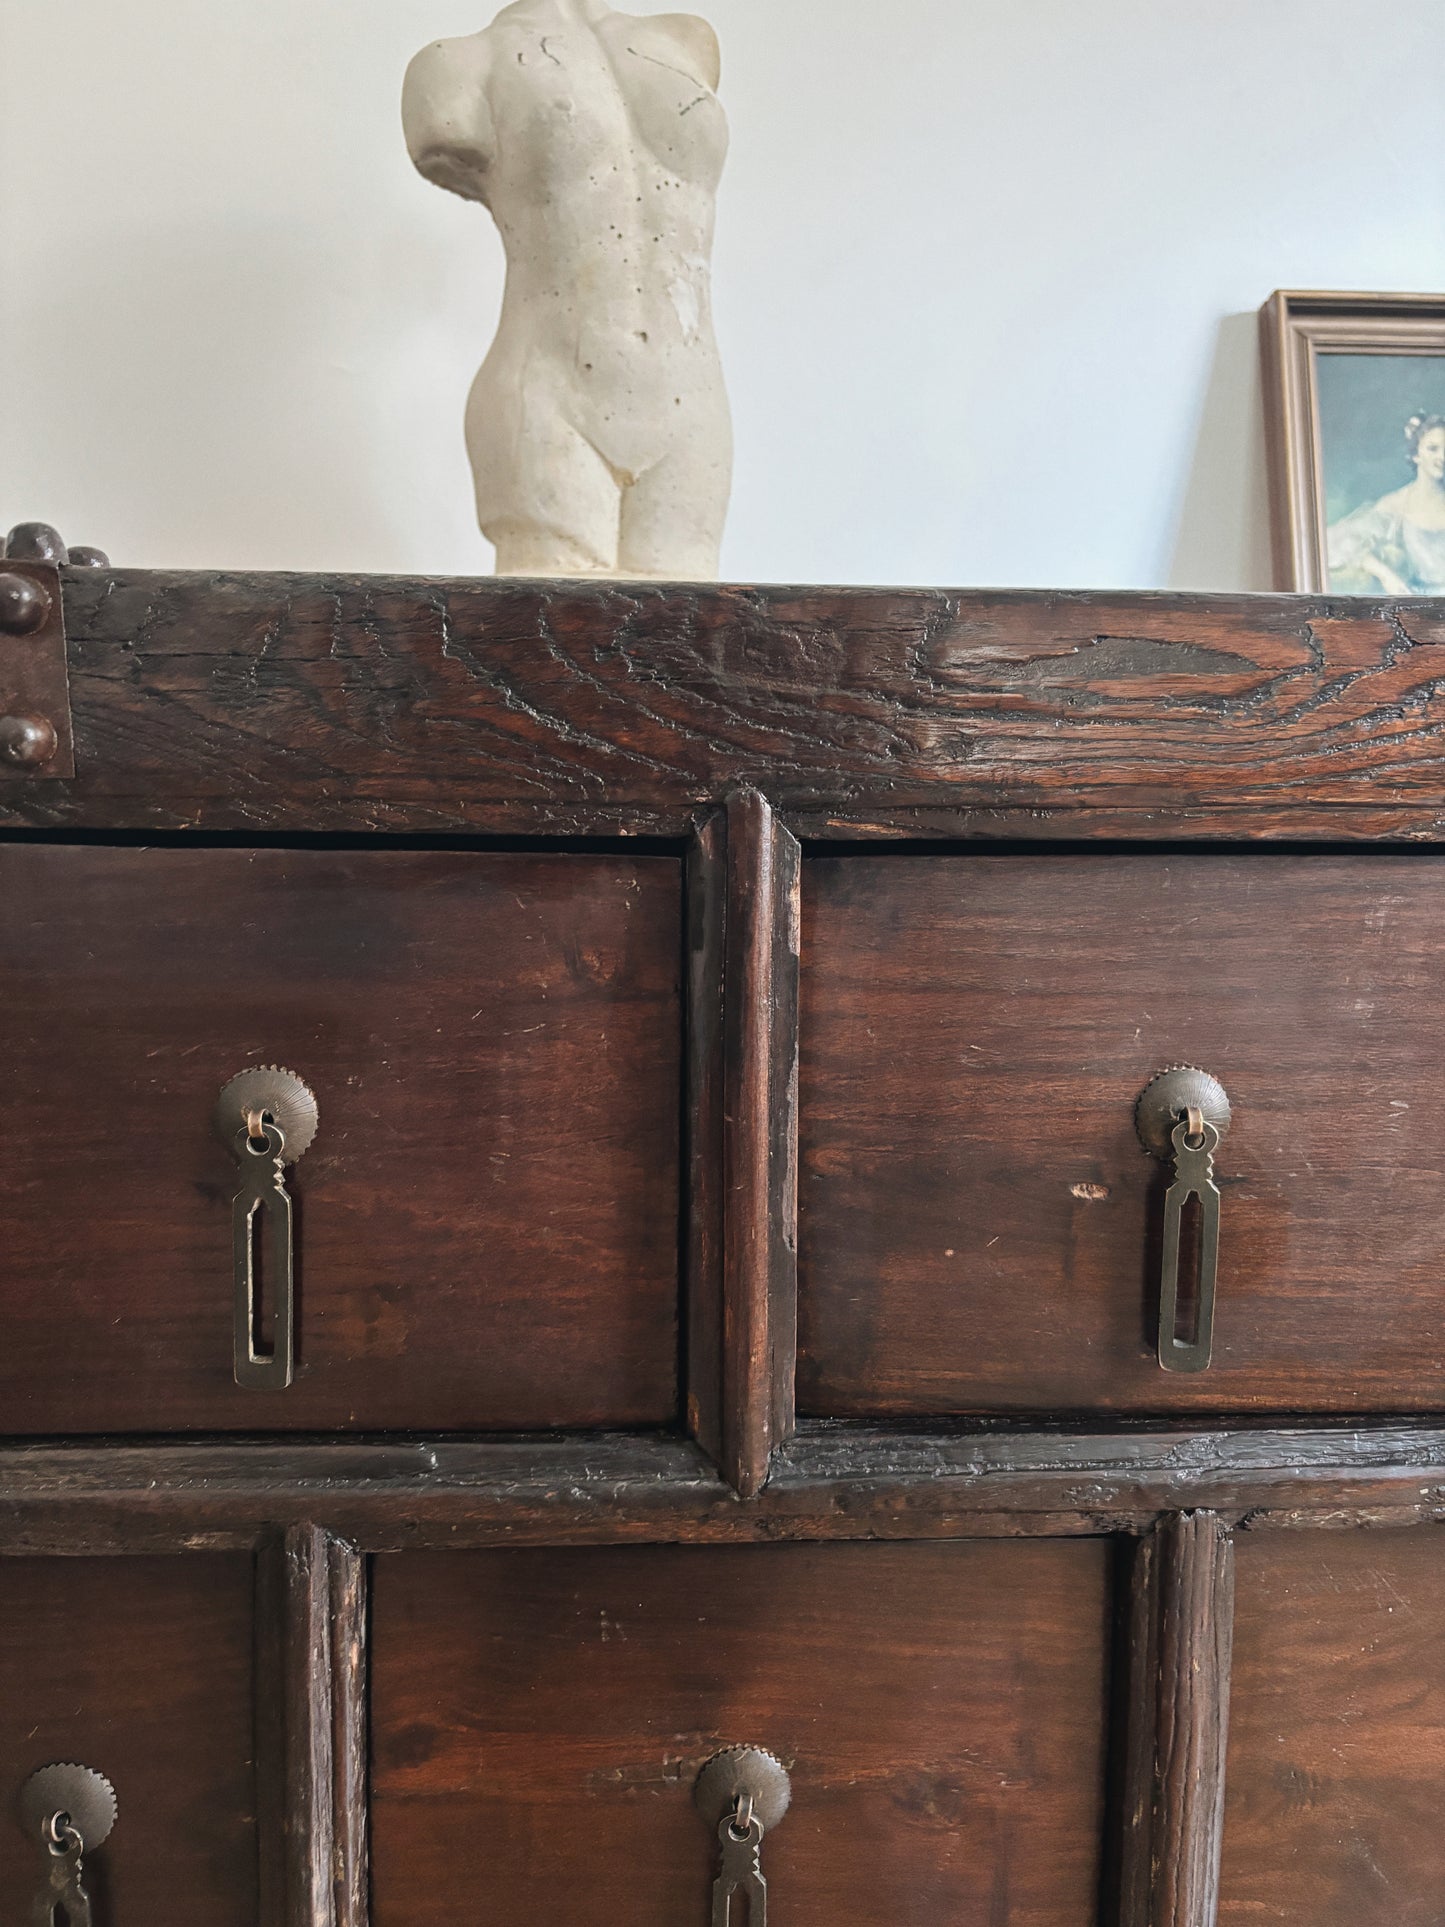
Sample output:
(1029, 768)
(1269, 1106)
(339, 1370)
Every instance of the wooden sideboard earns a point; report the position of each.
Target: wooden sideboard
(727, 1271)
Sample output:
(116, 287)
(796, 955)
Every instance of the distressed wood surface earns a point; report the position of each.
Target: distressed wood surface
(1337, 1735)
(486, 1225)
(311, 1729)
(979, 1223)
(141, 1668)
(1180, 1643)
(706, 1129)
(760, 1136)
(744, 882)
(825, 1484)
(544, 1715)
(309, 702)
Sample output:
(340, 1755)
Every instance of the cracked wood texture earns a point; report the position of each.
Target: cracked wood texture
(828, 1483)
(234, 702)
(311, 1722)
(1180, 1639)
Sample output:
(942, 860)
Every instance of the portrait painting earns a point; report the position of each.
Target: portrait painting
(1355, 401)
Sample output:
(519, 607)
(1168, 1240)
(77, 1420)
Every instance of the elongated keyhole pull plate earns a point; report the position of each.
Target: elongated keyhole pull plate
(267, 1118)
(1183, 1116)
(742, 1794)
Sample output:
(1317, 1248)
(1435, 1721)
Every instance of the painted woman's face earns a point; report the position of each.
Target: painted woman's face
(1431, 455)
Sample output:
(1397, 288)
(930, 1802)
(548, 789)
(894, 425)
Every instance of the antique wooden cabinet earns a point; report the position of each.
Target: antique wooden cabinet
(725, 1299)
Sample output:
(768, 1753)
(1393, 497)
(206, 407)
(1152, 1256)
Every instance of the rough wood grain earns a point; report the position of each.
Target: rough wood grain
(706, 1130)
(311, 1730)
(760, 1182)
(825, 1485)
(1337, 1738)
(312, 702)
(743, 1134)
(141, 1668)
(978, 1222)
(544, 1715)
(486, 1224)
(1181, 1635)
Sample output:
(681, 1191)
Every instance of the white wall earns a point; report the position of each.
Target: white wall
(986, 276)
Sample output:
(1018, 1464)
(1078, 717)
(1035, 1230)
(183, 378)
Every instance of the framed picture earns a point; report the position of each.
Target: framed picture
(1355, 407)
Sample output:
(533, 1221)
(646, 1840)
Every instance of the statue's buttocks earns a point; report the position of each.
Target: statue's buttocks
(598, 426)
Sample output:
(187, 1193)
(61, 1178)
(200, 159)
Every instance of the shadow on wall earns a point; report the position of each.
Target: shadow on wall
(1223, 538)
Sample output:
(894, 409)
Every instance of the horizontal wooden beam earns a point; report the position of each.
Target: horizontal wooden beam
(827, 1484)
(309, 703)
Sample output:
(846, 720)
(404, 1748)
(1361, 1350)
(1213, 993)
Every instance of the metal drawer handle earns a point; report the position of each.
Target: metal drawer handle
(267, 1118)
(742, 1794)
(1183, 1116)
(71, 1810)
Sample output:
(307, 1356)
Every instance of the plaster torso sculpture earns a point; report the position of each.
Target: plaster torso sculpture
(598, 428)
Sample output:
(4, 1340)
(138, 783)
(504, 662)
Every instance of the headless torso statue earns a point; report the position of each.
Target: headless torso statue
(598, 428)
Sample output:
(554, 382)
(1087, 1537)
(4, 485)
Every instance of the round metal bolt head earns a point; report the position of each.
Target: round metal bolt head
(83, 556)
(36, 542)
(24, 604)
(27, 740)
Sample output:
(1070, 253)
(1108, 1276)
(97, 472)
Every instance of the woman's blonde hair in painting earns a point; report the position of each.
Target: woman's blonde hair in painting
(1398, 543)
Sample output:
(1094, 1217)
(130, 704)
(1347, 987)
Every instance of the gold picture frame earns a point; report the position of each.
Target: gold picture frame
(1300, 330)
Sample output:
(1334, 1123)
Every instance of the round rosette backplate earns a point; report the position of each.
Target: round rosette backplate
(277, 1094)
(1171, 1096)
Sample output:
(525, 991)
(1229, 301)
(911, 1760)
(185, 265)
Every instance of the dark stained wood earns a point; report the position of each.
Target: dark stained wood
(487, 1220)
(743, 1085)
(1181, 1634)
(311, 1727)
(544, 1714)
(1337, 1739)
(313, 702)
(707, 879)
(760, 1170)
(976, 1214)
(596, 1491)
(140, 1668)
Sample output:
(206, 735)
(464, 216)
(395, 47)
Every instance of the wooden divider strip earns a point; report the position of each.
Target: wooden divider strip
(742, 1317)
(1181, 1635)
(311, 1767)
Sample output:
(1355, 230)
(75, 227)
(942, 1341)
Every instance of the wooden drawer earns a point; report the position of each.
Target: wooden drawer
(1337, 1731)
(545, 1715)
(978, 1221)
(486, 1223)
(142, 1670)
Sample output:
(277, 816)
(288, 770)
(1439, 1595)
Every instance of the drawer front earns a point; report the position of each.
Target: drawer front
(545, 1715)
(485, 1227)
(140, 1669)
(1337, 1731)
(979, 1226)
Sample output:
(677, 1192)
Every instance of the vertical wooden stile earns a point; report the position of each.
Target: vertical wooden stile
(1181, 1636)
(743, 1072)
(311, 1730)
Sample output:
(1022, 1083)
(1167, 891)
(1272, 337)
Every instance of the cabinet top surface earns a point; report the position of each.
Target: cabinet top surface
(289, 704)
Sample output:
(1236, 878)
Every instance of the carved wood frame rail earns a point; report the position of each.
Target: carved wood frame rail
(734, 724)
